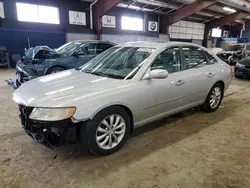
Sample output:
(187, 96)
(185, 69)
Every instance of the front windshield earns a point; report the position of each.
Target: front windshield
(118, 62)
(68, 49)
(236, 47)
(29, 53)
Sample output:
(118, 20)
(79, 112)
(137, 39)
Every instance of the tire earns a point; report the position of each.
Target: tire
(91, 133)
(208, 105)
(54, 70)
(236, 76)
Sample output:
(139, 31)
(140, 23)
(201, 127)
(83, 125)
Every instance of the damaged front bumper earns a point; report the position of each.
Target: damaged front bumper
(51, 134)
(26, 72)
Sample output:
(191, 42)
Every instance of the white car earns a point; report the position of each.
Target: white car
(125, 87)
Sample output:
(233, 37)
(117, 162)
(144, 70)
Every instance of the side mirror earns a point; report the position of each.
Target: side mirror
(157, 74)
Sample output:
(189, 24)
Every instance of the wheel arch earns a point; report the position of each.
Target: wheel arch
(127, 109)
(222, 83)
(49, 68)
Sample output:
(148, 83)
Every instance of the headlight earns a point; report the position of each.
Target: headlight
(52, 114)
(240, 65)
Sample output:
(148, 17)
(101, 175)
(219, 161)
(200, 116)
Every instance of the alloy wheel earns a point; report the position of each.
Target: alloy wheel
(110, 131)
(215, 97)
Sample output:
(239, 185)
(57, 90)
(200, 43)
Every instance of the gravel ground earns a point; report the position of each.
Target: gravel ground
(192, 149)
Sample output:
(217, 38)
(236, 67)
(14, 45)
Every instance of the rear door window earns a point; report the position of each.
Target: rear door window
(194, 57)
(101, 47)
(88, 49)
(169, 60)
(211, 58)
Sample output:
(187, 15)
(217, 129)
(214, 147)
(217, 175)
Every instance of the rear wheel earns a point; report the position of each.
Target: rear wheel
(214, 98)
(107, 131)
(54, 70)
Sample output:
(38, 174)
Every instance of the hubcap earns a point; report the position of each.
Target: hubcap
(110, 131)
(215, 97)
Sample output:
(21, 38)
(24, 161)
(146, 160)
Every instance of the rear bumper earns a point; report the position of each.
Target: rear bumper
(50, 134)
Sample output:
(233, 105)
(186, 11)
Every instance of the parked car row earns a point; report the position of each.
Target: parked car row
(234, 53)
(42, 60)
(102, 101)
(237, 55)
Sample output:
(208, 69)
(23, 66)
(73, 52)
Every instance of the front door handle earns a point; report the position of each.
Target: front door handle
(179, 83)
(210, 75)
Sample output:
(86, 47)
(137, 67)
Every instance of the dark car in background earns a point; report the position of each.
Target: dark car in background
(242, 68)
(42, 60)
(234, 53)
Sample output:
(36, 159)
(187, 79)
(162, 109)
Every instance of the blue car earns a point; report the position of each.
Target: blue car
(42, 60)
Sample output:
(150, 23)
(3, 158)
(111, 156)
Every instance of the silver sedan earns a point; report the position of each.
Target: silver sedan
(127, 86)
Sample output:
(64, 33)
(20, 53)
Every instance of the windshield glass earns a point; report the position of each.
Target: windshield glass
(39, 52)
(118, 62)
(29, 53)
(237, 47)
(68, 49)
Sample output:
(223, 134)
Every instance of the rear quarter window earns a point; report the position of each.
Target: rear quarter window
(211, 58)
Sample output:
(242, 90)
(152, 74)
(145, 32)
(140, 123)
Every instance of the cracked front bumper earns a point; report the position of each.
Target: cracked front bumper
(50, 134)
(28, 72)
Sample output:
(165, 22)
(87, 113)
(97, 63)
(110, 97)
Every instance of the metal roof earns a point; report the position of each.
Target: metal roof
(164, 7)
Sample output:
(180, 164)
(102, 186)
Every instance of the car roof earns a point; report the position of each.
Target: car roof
(87, 41)
(157, 45)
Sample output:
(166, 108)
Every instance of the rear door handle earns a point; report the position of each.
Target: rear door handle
(210, 75)
(179, 83)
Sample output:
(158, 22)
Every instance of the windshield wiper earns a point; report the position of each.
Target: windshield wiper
(98, 74)
(105, 75)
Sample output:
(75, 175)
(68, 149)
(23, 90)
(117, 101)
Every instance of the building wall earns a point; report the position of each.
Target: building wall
(122, 38)
(187, 30)
(80, 36)
(14, 34)
(118, 35)
(246, 34)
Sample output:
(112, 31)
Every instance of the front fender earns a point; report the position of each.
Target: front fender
(64, 62)
(89, 112)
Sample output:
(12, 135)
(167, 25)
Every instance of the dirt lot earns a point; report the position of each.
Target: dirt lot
(193, 149)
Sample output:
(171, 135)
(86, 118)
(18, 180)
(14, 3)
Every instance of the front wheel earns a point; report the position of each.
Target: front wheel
(107, 131)
(54, 70)
(214, 98)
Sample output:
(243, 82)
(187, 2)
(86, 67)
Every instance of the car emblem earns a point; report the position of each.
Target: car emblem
(77, 17)
(153, 26)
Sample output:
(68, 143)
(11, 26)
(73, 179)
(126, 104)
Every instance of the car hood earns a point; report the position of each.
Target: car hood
(64, 88)
(228, 52)
(38, 53)
(245, 61)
